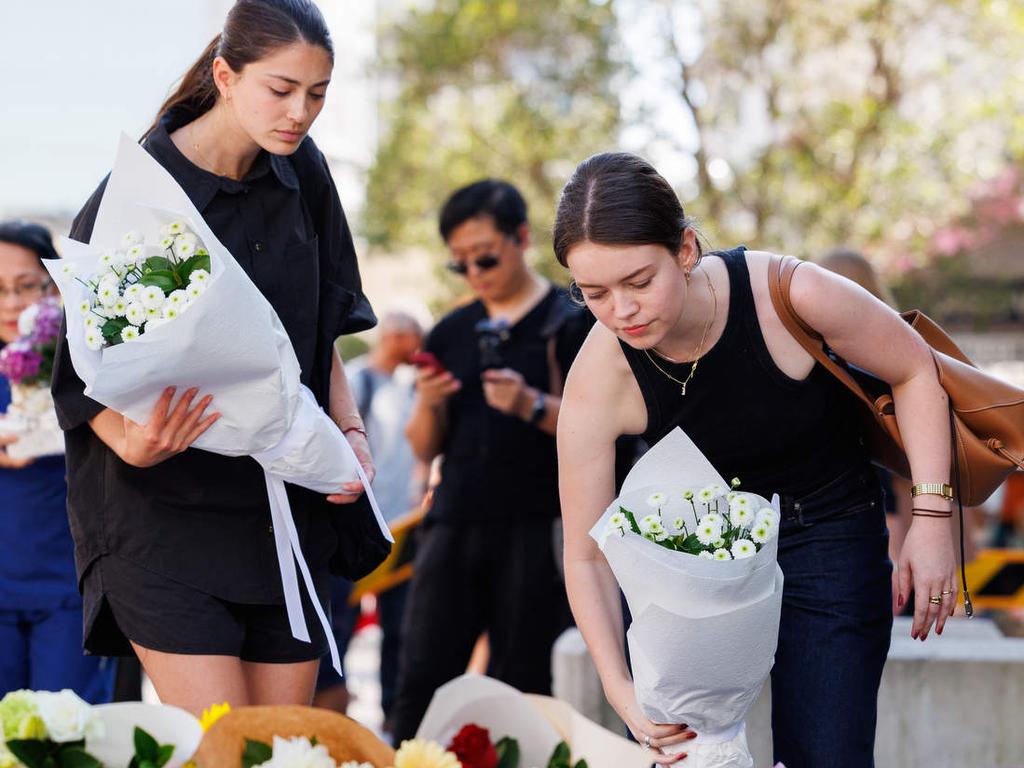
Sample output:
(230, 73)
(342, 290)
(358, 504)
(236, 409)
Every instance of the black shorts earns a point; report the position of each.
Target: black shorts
(124, 601)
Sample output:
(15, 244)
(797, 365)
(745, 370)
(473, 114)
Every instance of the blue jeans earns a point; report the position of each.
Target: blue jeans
(42, 650)
(836, 624)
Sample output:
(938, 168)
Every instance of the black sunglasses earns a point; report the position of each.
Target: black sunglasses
(482, 263)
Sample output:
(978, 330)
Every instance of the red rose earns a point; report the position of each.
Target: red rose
(472, 745)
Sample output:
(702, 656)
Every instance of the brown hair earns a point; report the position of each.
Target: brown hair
(618, 199)
(853, 266)
(253, 29)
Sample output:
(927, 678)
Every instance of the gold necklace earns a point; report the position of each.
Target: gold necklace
(696, 352)
(195, 145)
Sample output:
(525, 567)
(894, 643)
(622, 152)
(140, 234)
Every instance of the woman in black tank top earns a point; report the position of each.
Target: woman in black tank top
(692, 341)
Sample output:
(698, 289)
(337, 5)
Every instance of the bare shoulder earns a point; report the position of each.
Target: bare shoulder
(601, 387)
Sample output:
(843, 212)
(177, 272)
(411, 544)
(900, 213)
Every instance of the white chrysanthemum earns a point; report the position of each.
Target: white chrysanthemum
(107, 294)
(84, 307)
(177, 299)
(171, 312)
(68, 269)
(166, 242)
(767, 516)
(714, 518)
(100, 311)
(129, 333)
(152, 297)
(761, 534)
(298, 752)
(688, 495)
(194, 290)
(200, 276)
(708, 532)
(134, 254)
(741, 517)
(656, 500)
(173, 228)
(706, 495)
(135, 313)
(679, 525)
(718, 543)
(185, 245)
(152, 312)
(651, 527)
(741, 500)
(742, 548)
(131, 238)
(110, 259)
(731, 495)
(91, 321)
(721, 554)
(133, 291)
(705, 555)
(617, 519)
(119, 307)
(93, 338)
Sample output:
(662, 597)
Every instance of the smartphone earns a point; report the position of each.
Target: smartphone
(427, 361)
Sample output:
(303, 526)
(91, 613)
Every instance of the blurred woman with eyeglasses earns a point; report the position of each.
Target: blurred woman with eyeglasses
(40, 608)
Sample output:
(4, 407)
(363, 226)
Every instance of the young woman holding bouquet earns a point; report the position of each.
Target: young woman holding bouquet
(174, 546)
(40, 608)
(692, 340)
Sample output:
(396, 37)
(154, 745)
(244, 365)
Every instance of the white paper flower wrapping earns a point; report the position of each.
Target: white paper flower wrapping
(704, 631)
(230, 343)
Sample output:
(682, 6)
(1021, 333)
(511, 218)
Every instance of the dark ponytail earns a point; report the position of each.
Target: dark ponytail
(618, 199)
(253, 29)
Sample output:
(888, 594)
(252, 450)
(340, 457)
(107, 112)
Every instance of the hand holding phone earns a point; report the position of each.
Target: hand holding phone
(428, 362)
(433, 383)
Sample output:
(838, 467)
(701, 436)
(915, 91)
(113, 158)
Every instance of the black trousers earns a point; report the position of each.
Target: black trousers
(497, 577)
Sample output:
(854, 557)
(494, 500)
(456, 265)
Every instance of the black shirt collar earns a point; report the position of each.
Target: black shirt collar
(200, 185)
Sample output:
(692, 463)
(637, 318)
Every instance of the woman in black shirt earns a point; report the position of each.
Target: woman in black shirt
(760, 409)
(174, 547)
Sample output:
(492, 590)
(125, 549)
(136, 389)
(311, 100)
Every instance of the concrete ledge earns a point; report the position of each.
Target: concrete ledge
(955, 701)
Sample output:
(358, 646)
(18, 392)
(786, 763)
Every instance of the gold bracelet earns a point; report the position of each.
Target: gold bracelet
(945, 490)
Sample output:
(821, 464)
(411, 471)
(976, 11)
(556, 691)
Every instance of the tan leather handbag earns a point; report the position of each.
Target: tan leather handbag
(986, 413)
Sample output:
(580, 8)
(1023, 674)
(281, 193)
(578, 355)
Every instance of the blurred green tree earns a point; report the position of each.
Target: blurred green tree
(519, 90)
(808, 124)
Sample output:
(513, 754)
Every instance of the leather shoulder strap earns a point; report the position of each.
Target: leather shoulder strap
(780, 277)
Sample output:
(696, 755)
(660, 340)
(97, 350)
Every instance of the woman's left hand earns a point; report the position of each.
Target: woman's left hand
(354, 490)
(928, 564)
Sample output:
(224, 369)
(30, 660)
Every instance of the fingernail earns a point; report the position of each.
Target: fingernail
(691, 735)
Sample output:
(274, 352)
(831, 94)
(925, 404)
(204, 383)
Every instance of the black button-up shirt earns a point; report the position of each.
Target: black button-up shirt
(202, 518)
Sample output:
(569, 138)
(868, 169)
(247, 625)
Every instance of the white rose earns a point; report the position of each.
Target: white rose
(67, 717)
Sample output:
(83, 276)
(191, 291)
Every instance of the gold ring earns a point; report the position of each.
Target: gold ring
(935, 600)
(948, 592)
(647, 742)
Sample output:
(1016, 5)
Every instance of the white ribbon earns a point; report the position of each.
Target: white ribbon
(286, 536)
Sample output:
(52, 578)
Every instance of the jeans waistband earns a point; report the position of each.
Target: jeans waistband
(857, 481)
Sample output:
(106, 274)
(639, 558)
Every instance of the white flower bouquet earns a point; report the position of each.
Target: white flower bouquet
(705, 593)
(42, 729)
(221, 336)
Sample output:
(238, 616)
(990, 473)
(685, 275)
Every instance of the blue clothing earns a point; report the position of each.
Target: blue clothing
(40, 608)
(37, 564)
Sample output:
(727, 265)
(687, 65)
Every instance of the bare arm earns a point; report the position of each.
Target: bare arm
(867, 333)
(428, 422)
(597, 407)
(345, 414)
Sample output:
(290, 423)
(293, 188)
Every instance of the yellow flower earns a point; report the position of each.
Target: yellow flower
(418, 753)
(212, 714)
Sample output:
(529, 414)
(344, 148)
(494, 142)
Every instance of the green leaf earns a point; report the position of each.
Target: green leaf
(34, 753)
(111, 329)
(156, 263)
(165, 280)
(581, 763)
(632, 520)
(255, 752)
(508, 752)
(166, 750)
(72, 756)
(560, 757)
(146, 747)
(194, 262)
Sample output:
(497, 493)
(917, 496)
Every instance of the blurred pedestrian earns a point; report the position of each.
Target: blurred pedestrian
(487, 401)
(40, 608)
(382, 383)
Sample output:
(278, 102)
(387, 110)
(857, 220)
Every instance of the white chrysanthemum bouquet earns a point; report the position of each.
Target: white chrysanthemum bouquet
(147, 282)
(704, 589)
(178, 310)
(725, 524)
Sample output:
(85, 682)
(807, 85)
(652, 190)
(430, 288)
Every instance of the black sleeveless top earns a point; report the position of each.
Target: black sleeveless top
(752, 421)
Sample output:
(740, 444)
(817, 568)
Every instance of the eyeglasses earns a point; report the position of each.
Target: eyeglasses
(31, 290)
(482, 263)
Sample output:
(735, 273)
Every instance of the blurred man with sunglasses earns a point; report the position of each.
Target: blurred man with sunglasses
(487, 403)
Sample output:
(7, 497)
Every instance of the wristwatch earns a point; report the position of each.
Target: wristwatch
(945, 490)
(539, 409)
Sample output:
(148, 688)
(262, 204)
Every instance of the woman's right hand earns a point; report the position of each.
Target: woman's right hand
(622, 697)
(168, 432)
